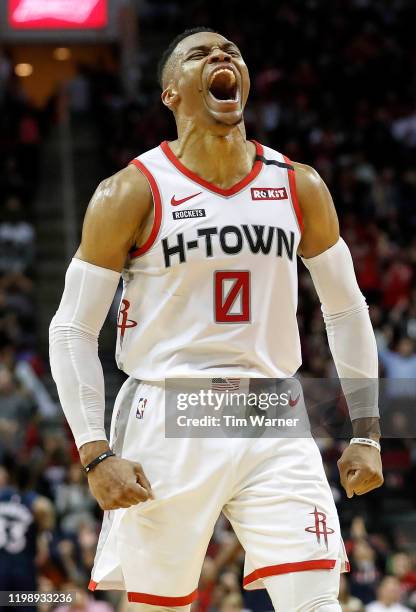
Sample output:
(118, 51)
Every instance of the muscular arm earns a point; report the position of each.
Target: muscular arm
(348, 325)
(115, 220)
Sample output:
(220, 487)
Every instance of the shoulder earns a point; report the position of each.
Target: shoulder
(321, 228)
(6, 493)
(120, 204)
(308, 181)
(125, 191)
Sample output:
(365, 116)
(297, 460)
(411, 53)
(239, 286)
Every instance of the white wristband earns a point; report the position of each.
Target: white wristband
(366, 441)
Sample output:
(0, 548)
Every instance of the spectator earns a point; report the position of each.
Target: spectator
(347, 601)
(78, 89)
(397, 282)
(364, 571)
(388, 597)
(402, 568)
(16, 238)
(73, 502)
(232, 603)
(16, 409)
(400, 367)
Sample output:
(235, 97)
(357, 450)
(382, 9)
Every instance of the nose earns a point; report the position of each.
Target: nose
(217, 56)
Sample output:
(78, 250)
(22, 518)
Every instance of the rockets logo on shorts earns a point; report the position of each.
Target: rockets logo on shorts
(140, 408)
(320, 527)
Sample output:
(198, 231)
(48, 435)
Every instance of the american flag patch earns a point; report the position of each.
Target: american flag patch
(225, 384)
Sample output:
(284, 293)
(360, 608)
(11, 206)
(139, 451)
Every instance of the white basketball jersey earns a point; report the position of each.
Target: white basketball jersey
(213, 291)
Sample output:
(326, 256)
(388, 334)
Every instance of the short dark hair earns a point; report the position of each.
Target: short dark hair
(172, 46)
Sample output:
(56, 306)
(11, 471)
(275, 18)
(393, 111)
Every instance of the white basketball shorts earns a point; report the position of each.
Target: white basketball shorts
(273, 491)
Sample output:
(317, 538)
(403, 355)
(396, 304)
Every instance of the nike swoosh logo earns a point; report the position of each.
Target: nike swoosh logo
(292, 403)
(177, 202)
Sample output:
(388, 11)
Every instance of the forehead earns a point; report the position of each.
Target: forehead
(208, 39)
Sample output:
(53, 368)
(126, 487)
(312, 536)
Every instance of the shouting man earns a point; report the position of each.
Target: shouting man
(205, 231)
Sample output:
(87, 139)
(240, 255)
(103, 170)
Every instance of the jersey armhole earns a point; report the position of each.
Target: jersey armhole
(293, 193)
(157, 204)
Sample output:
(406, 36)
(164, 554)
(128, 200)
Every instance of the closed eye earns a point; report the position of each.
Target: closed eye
(232, 50)
(196, 56)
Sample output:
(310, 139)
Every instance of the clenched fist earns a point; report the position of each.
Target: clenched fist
(115, 482)
(360, 469)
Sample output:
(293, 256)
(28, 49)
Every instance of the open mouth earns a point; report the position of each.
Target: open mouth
(223, 85)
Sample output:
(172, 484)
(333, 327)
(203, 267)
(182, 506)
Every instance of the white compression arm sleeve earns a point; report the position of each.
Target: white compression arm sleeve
(349, 330)
(73, 344)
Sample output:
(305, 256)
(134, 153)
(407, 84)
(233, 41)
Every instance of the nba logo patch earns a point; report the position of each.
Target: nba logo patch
(140, 408)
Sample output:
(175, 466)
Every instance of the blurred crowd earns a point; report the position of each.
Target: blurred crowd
(20, 364)
(333, 86)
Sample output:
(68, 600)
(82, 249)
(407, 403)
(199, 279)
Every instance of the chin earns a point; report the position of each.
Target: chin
(225, 121)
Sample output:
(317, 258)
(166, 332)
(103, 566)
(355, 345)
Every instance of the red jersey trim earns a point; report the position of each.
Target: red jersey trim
(293, 193)
(286, 568)
(158, 600)
(254, 172)
(157, 221)
(92, 585)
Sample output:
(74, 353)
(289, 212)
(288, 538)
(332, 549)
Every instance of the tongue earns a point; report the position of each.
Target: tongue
(223, 85)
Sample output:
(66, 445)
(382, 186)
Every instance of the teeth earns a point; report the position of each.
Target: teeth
(223, 71)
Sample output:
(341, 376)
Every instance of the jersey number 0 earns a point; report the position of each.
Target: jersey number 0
(232, 296)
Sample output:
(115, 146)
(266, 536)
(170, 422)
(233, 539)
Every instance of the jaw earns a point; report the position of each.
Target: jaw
(210, 116)
(228, 118)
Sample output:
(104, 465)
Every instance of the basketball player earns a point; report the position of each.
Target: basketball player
(24, 515)
(204, 231)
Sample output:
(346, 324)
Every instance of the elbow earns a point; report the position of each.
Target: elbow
(345, 308)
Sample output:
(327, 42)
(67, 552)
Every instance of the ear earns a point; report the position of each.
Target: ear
(170, 97)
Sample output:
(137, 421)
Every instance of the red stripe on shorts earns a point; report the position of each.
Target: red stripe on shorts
(158, 600)
(286, 568)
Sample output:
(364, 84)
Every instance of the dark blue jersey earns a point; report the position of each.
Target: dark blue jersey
(18, 534)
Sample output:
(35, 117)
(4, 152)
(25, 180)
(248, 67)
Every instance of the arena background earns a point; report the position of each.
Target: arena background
(333, 86)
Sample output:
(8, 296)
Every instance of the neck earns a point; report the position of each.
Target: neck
(221, 159)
